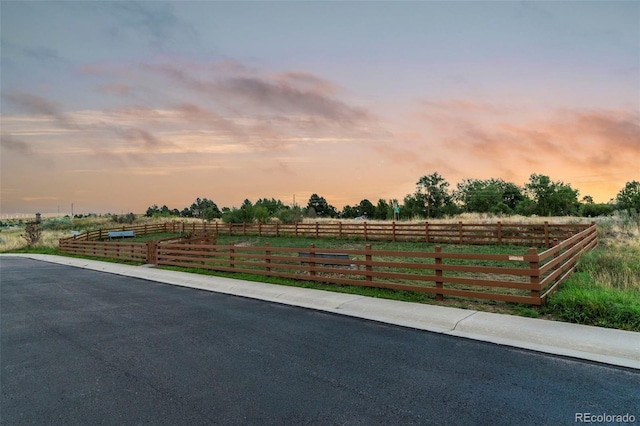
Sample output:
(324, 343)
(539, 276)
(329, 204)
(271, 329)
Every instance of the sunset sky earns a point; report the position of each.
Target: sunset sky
(115, 106)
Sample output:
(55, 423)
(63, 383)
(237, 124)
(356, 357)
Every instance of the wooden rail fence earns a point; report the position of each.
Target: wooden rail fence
(523, 278)
(527, 277)
(139, 230)
(541, 235)
(129, 251)
(447, 233)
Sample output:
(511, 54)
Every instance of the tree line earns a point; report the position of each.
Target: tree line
(433, 198)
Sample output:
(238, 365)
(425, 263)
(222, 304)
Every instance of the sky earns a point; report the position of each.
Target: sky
(116, 106)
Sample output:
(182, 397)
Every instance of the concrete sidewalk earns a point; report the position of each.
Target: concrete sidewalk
(616, 347)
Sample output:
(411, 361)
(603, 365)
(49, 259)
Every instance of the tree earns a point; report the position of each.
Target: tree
(200, 206)
(412, 207)
(290, 215)
(366, 208)
(629, 197)
(488, 196)
(261, 214)
(153, 210)
(244, 214)
(433, 191)
(552, 198)
(247, 211)
(383, 210)
(587, 199)
(479, 195)
(349, 212)
(318, 207)
(511, 195)
(210, 213)
(272, 205)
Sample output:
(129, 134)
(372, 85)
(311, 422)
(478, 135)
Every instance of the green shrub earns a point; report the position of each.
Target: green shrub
(593, 210)
(32, 233)
(57, 223)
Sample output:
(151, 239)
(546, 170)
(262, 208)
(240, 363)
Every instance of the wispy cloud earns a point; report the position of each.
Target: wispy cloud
(45, 55)
(455, 106)
(116, 89)
(264, 94)
(305, 80)
(16, 145)
(155, 21)
(295, 93)
(511, 144)
(41, 198)
(38, 105)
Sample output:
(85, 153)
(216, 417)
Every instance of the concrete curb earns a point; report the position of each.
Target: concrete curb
(609, 346)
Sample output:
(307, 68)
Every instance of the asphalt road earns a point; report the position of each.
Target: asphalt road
(81, 347)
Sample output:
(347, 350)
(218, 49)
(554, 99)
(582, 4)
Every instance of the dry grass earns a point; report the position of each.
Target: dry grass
(479, 218)
(53, 230)
(12, 239)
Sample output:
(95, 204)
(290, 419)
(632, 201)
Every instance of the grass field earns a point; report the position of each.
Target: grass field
(605, 290)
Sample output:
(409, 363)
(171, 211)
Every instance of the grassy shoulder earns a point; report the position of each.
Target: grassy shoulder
(604, 291)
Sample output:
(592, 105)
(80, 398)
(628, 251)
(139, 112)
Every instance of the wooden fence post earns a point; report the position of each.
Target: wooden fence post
(438, 261)
(534, 266)
(546, 234)
(364, 230)
(232, 259)
(317, 230)
(339, 229)
(203, 242)
(268, 257)
(460, 232)
(499, 233)
(259, 229)
(312, 263)
(426, 232)
(152, 253)
(368, 266)
(296, 229)
(393, 230)
(277, 229)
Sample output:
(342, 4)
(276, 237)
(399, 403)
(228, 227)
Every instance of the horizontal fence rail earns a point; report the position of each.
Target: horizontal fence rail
(528, 277)
(129, 251)
(533, 235)
(398, 270)
(562, 259)
(447, 233)
(139, 230)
